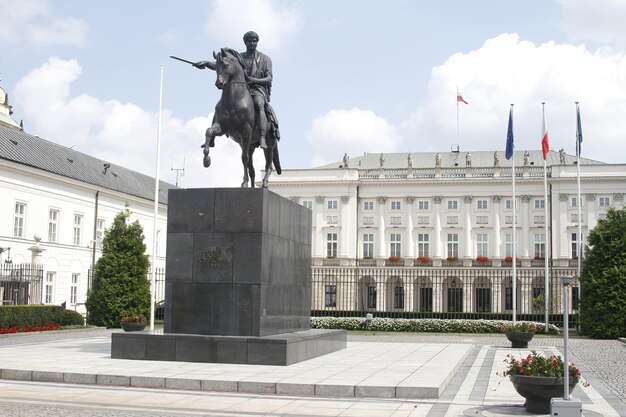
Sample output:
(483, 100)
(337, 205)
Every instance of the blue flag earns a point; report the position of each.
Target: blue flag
(509, 137)
(579, 131)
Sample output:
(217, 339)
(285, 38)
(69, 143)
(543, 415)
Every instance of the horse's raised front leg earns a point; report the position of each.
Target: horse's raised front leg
(209, 138)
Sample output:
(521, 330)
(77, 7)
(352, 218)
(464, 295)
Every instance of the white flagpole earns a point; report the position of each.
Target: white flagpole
(156, 208)
(457, 115)
(545, 200)
(580, 228)
(514, 270)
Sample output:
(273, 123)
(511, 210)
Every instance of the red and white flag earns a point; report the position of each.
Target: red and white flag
(460, 98)
(545, 143)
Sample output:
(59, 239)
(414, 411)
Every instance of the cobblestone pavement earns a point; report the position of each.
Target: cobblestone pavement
(605, 359)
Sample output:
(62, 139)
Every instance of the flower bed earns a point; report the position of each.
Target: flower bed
(417, 325)
(28, 329)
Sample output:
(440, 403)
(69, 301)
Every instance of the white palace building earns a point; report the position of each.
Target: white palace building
(432, 232)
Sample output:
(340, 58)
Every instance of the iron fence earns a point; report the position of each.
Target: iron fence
(20, 284)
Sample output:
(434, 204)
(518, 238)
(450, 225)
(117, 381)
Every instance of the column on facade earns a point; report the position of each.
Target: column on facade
(318, 224)
(589, 212)
(346, 230)
(409, 247)
(561, 235)
(437, 254)
(381, 245)
(497, 235)
(468, 227)
(525, 227)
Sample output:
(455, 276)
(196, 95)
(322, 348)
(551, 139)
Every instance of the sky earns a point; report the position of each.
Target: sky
(350, 76)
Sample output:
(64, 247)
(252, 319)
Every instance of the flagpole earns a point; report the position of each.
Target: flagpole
(580, 229)
(545, 199)
(457, 115)
(510, 154)
(156, 208)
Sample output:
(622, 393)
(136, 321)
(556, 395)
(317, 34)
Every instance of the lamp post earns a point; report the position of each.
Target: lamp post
(566, 406)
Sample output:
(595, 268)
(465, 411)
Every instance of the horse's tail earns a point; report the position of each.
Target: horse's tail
(276, 159)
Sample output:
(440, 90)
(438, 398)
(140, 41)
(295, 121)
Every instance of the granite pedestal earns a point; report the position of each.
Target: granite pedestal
(238, 283)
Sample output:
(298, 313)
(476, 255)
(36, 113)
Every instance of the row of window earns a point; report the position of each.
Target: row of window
(454, 298)
(50, 284)
(452, 245)
(481, 204)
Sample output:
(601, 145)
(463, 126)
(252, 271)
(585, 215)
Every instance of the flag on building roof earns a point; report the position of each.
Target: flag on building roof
(459, 97)
(545, 143)
(579, 131)
(509, 136)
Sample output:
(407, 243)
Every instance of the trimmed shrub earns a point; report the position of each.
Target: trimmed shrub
(120, 286)
(30, 315)
(71, 318)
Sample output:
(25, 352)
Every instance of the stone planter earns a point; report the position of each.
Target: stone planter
(539, 390)
(519, 339)
(133, 326)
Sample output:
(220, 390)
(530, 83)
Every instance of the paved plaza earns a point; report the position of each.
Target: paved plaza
(70, 373)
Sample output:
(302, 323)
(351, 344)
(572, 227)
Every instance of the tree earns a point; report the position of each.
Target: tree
(120, 280)
(603, 281)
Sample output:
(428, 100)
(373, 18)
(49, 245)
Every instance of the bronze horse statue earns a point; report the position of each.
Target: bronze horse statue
(235, 117)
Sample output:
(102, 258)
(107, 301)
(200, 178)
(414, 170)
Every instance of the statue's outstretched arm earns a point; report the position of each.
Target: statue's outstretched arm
(205, 64)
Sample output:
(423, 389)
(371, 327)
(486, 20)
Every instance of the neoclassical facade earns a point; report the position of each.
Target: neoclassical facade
(434, 231)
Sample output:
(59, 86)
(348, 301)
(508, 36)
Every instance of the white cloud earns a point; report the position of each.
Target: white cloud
(599, 20)
(123, 133)
(353, 131)
(508, 70)
(34, 21)
(228, 20)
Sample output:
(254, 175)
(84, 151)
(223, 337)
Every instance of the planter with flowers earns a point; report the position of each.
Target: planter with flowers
(520, 333)
(424, 261)
(133, 323)
(539, 378)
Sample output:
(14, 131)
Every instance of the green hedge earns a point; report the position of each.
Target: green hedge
(417, 325)
(30, 315)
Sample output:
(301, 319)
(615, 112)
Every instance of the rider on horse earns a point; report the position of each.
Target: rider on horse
(258, 68)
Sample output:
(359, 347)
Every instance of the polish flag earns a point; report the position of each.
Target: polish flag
(545, 144)
(459, 97)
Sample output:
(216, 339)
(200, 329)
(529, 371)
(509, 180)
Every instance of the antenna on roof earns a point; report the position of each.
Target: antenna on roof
(179, 171)
(455, 148)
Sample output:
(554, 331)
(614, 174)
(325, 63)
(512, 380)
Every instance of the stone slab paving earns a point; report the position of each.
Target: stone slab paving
(369, 367)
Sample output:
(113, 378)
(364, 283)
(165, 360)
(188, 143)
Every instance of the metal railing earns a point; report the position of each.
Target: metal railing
(20, 284)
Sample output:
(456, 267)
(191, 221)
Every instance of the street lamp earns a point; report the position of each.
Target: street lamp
(566, 406)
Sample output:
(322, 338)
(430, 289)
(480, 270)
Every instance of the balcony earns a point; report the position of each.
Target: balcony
(394, 261)
(330, 262)
(366, 262)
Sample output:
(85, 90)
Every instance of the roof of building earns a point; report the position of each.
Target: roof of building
(481, 159)
(22, 148)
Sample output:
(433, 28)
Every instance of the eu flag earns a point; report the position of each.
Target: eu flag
(509, 137)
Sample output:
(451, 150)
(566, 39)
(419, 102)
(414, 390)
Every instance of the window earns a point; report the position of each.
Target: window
(482, 247)
(49, 291)
(158, 242)
(423, 244)
(74, 289)
(330, 296)
(575, 298)
(574, 245)
(396, 205)
(395, 245)
(508, 204)
(20, 217)
(99, 231)
(308, 204)
(453, 204)
(508, 243)
(426, 299)
(423, 205)
(331, 245)
(453, 245)
(574, 202)
(78, 227)
(540, 203)
(368, 245)
(604, 201)
(368, 205)
(371, 296)
(455, 300)
(483, 299)
(481, 205)
(331, 204)
(53, 225)
(540, 246)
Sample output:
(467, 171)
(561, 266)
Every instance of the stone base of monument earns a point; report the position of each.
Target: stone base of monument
(237, 283)
(278, 349)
